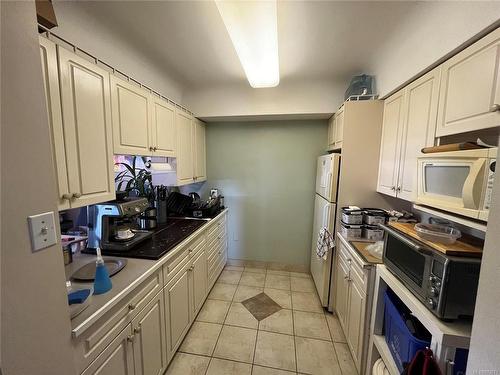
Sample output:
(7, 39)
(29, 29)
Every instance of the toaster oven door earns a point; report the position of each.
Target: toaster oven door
(409, 261)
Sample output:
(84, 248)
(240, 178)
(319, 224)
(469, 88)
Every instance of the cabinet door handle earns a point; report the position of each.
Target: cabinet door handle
(66, 196)
(137, 330)
(191, 268)
(130, 338)
(151, 148)
(131, 306)
(190, 251)
(393, 188)
(77, 195)
(155, 148)
(346, 277)
(495, 108)
(398, 189)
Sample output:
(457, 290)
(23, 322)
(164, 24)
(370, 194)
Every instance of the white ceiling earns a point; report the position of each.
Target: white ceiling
(318, 40)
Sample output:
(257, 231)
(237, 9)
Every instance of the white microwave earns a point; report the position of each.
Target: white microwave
(460, 182)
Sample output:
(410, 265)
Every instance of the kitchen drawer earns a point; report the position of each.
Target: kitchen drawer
(358, 276)
(197, 244)
(214, 263)
(357, 272)
(101, 333)
(175, 264)
(220, 222)
(217, 240)
(214, 257)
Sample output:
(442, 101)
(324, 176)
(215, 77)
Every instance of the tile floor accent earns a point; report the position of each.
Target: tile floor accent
(261, 306)
(299, 338)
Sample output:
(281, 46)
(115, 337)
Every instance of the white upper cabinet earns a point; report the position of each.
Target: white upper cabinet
(331, 132)
(86, 113)
(390, 144)
(470, 88)
(409, 125)
(200, 168)
(191, 149)
(185, 148)
(50, 73)
(339, 128)
(131, 118)
(163, 127)
(419, 129)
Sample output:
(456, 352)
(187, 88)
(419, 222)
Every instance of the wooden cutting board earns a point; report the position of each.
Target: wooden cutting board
(361, 247)
(466, 246)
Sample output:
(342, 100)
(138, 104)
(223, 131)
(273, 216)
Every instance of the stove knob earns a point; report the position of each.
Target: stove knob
(434, 291)
(432, 278)
(438, 284)
(431, 303)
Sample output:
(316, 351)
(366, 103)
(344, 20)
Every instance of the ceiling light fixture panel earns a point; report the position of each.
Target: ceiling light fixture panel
(253, 29)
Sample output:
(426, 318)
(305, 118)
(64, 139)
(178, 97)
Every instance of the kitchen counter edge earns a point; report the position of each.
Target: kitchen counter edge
(88, 322)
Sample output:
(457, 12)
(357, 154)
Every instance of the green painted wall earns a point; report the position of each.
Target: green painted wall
(266, 171)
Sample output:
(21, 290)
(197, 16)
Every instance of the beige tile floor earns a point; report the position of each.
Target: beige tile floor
(226, 339)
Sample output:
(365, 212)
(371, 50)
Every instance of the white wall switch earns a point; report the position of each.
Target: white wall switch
(42, 230)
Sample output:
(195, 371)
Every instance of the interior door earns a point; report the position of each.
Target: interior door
(390, 144)
(163, 134)
(87, 125)
(419, 129)
(324, 216)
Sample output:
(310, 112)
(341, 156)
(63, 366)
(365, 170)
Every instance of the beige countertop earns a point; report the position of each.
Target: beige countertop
(135, 272)
(359, 246)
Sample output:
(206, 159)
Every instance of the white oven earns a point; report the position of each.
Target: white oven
(460, 182)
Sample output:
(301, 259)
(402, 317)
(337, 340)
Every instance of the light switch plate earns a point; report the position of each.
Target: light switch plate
(42, 231)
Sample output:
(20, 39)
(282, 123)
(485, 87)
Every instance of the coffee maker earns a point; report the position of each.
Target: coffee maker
(106, 219)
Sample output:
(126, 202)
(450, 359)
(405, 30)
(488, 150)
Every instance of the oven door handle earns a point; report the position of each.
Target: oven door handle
(406, 240)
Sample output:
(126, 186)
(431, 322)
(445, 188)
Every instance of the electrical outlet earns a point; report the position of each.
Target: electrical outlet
(42, 231)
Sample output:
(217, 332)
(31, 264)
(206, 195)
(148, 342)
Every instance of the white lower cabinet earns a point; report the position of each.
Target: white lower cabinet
(150, 347)
(353, 294)
(177, 308)
(142, 333)
(117, 358)
(199, 281)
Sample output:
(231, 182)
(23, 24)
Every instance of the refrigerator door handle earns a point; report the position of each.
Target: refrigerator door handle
(326, 214)
(328, 191)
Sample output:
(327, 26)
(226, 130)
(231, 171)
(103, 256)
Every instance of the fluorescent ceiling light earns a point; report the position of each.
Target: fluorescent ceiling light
(253, 28)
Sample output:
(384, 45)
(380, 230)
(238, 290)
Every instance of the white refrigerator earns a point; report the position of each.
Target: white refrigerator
(325, 209)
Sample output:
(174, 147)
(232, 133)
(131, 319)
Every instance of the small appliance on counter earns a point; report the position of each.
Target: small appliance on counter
(111, 224)
(445, 283)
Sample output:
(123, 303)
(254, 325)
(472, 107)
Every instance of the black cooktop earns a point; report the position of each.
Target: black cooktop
(165, 238)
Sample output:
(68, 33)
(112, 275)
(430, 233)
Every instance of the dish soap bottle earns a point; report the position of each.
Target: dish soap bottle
(102, 282)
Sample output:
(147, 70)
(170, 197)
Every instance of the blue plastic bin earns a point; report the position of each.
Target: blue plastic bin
(402, 344)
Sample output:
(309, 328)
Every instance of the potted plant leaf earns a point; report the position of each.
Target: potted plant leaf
(135, 181)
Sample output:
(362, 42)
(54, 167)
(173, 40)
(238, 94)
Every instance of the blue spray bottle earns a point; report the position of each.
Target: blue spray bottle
(102, 282)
